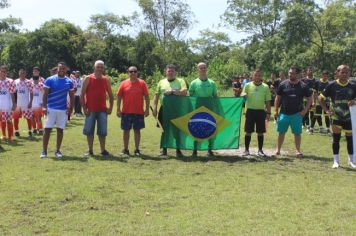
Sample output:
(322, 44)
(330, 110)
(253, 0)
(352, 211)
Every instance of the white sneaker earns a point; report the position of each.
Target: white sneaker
(43, 155)
(58, 154)
(352, 164)
(336, 165)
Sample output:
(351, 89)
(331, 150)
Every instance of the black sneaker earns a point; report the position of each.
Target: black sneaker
(179, 153)
(17, 134)
(163, 152)
(35, 131)
(40, 132)
(261, 153)
(210, 153)
(137, 153)
(29, 134)
(89, 153)
(195, 153)
(125, 152)
(105, 153)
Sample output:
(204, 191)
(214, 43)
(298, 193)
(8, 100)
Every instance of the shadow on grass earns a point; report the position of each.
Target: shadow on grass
(315, 158)
(71, 158)
(227, 159)
(111, 158)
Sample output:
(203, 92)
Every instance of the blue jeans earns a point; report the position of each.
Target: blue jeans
(96, 117)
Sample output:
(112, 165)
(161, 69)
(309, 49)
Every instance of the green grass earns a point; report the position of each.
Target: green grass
(188, 196)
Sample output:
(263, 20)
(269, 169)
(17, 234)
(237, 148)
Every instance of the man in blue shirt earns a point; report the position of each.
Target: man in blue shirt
(55, 93)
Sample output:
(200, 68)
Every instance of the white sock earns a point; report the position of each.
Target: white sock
(336, 158)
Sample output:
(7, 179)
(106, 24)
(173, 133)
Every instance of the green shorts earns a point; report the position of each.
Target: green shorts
(295, 122)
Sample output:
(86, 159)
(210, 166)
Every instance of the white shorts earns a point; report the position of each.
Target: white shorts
(56, 118)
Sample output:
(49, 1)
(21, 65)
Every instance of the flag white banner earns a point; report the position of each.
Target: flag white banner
(353, 119)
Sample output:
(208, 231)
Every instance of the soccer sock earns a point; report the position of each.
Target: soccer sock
(320, 121)
(16, 124)
(39, 125)
(247, 141)
(3, 129)
(336, 158)
(34, 124)
(10, 130)
(29, 124)
(350, 147)
(260, 139)
(327, 121)
(313, 122)
(336, 144)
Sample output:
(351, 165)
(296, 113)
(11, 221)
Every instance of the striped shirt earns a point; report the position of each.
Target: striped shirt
(58, 91)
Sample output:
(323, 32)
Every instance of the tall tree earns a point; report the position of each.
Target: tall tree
(166, 19)
(260, 18)
(108, 24)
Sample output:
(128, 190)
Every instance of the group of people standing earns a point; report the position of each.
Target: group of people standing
(58, 95)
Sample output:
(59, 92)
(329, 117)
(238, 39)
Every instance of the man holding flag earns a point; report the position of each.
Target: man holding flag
(258, 97)
(170, 86)
(205, 88)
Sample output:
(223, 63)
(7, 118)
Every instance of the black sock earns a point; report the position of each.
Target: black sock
(350, 147)
(320, 121)
(247, 141)
(336, 143)
(313, 122)
(260, 139)
(327, 122)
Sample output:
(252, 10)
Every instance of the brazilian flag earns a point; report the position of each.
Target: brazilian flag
(201, 123)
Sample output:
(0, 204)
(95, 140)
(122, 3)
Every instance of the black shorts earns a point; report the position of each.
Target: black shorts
(255, 118)
(344, 125)
(319, 110)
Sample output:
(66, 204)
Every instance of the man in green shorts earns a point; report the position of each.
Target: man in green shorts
(258, 104)
(170, 86)
(202, 87)
(290, 94)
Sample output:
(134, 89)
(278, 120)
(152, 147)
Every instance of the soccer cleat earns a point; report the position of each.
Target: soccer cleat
(17, 133)
(105, 153)
(352, 164)
(29, 134)
(35, 131)
(195, 153)
(163, 152)
(310, 131)
(137, 153)
(246, 153)
(210, 153)
(179, 153)
(261, 153)
(43, 155)
(335, 165)
(40, 132)
(125, 152)
(58, 154)
(89, 153)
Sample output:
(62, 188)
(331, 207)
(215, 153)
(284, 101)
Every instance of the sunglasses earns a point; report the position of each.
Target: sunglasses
(133, 71)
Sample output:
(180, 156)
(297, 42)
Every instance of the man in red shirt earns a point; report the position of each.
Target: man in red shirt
(93, 100)
(131, 92)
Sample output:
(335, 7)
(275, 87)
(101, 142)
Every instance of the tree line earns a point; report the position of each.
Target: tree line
(280, 33)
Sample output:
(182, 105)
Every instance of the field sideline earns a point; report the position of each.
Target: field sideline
(188, 196)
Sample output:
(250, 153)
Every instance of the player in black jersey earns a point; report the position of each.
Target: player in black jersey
(342, 93)
(320, 85)
(310, 81)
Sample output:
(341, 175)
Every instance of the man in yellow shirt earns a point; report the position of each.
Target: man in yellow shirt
(258, 104)
(170, 86)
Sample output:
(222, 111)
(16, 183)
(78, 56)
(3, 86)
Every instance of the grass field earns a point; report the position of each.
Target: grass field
(188, 196)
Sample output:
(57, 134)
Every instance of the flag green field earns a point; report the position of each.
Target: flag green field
(201, 123)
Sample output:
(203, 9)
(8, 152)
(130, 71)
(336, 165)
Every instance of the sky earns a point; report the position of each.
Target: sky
(36, 12)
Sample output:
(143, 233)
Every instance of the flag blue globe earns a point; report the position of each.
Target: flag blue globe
(202, 125)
